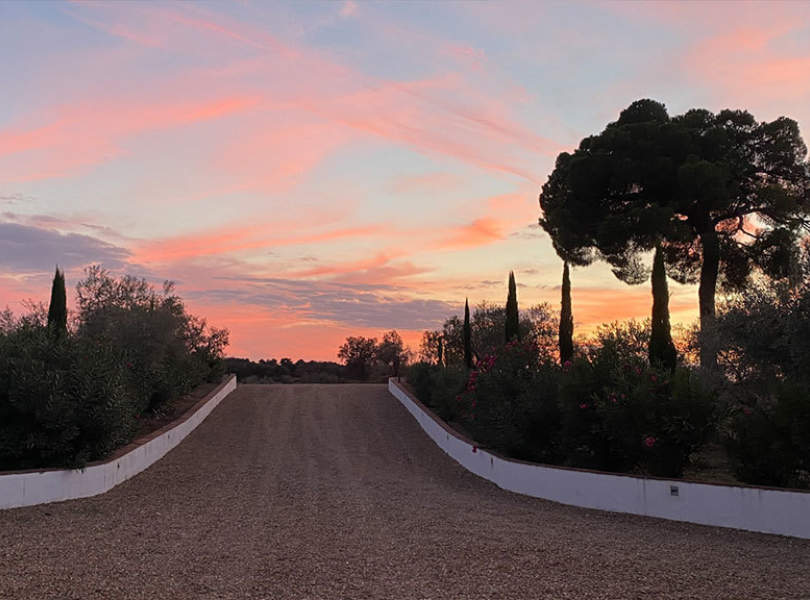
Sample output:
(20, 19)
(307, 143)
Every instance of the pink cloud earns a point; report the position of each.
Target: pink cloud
(444, 114)
(480, 232)
(228, 240)
(82, 135)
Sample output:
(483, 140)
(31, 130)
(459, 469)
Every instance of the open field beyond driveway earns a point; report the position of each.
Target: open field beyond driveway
(333, 491)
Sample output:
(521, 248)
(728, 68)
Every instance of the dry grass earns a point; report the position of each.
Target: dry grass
(333, 491)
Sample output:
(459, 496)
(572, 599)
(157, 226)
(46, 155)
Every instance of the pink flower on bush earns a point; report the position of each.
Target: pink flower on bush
(747, 410)
(567, 365)
(583, 405)
(638, 371)
(613, 399)
(653, 378)
(458, 398)
(649, 441)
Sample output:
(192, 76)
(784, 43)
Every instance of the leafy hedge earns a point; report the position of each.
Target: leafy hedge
(67, 400)
(606, 410)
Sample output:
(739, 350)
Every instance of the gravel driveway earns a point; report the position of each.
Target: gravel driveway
(333, 491)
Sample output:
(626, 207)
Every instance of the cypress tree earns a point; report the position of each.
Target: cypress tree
(57, 311)
(512, 317)
(440, 351)
(467, 335)
(662, 350)
(566, 319)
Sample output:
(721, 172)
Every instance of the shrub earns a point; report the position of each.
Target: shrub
(166, 351)
(62, 402)
(769, 443)
(438, 387)
(68, 399)
(510, 403)
(626, 416)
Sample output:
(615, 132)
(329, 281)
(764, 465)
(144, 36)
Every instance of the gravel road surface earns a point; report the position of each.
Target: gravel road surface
(333, 491)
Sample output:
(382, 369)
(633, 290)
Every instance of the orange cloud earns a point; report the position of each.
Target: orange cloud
(234, 239)
(478, 233)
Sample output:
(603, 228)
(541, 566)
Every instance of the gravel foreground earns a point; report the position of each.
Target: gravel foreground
(333, 491)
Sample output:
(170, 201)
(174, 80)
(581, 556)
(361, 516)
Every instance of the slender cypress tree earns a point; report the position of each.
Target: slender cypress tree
(512, 317)
(467, 336)
(57, 311)
(662, 350)
(566, 319)
(440, 351)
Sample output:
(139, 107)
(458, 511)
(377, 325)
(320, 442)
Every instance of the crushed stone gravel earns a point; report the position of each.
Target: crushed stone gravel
(333, 491)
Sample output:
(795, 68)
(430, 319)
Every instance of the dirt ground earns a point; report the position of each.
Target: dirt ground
(333, 491)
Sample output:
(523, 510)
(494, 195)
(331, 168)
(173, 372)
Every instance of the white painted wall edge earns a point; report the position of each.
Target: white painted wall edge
(30, 488)
(782, 512)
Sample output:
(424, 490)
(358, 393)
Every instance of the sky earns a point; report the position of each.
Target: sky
(306, 171)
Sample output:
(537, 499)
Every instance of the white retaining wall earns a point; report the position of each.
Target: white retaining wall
(39, 487)
(755, 509)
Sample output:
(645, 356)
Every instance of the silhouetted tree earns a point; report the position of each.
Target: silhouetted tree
(662, 350)
(57, 310)
(467, 336)
(391, 352)
(566, 319)
(441, 351)
(721, 194)
(357, 353)
(512, 314)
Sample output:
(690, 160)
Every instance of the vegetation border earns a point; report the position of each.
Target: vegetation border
(30, 487)
(753, 508)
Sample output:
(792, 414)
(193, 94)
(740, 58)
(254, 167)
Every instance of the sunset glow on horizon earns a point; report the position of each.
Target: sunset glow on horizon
(306, 171)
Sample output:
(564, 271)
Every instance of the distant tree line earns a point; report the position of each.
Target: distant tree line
(362, 360)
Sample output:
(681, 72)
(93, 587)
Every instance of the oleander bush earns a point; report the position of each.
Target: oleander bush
(510, 403)
(607, 409)
(69, 399)
(625, 417)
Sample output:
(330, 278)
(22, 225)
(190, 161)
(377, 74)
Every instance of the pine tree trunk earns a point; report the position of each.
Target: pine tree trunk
(566, 320)
(710, 243)
(662, 350)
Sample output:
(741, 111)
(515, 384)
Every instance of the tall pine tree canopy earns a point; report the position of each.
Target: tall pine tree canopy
(722, 193)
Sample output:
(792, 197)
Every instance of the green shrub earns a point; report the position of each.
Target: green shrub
(62, 402)
(167, 352)
(628, 416)
(69, 399)
(438, 387)
(769, 441)
(510, 403)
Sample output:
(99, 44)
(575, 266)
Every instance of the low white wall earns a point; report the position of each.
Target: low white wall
(750, 508)
(29, 488)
